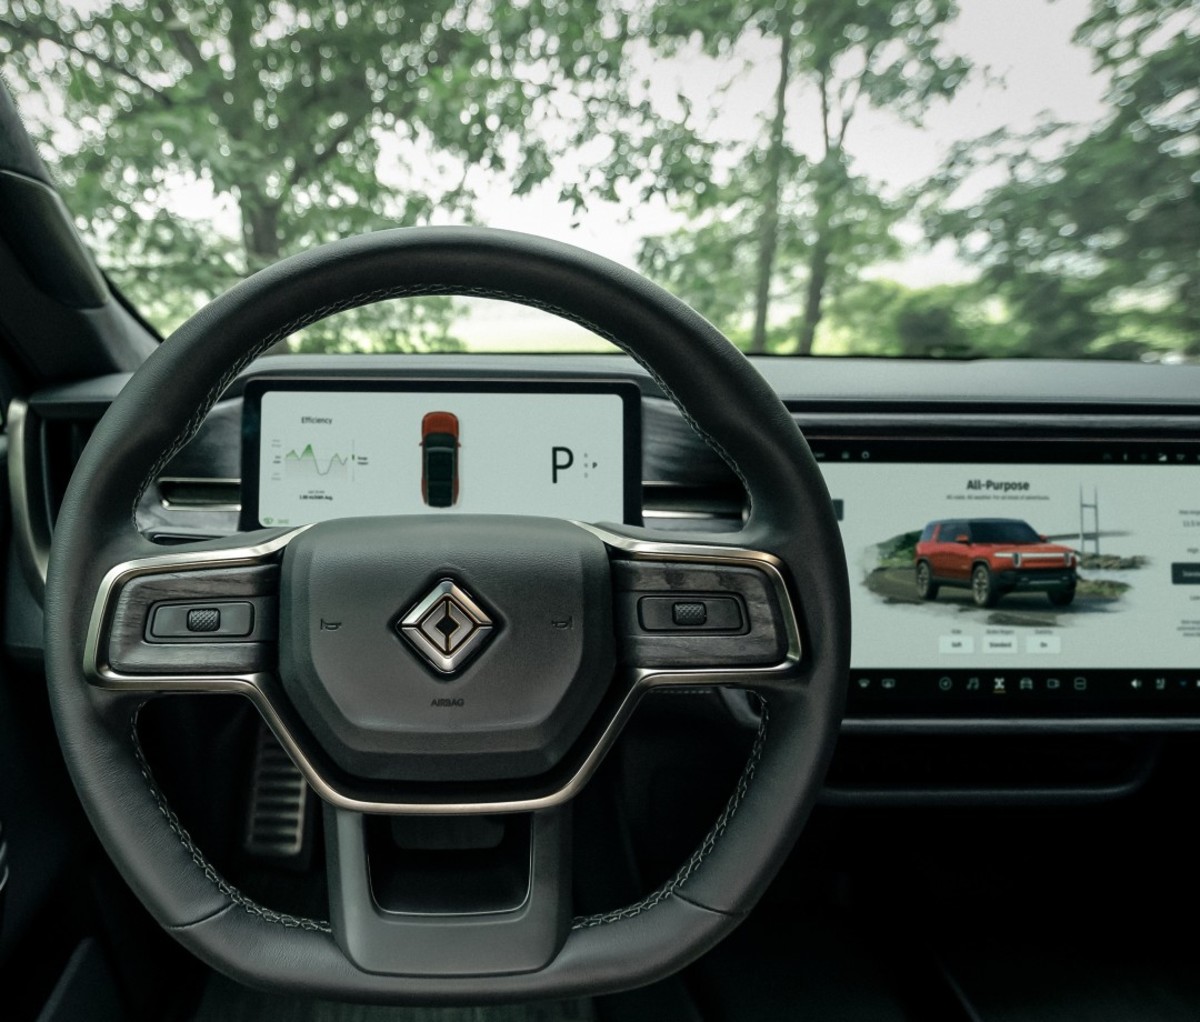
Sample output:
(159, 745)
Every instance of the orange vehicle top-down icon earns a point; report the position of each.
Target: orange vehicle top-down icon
(439, 459)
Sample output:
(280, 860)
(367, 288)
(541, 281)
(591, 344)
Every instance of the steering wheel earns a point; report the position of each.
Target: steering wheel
(538, 704)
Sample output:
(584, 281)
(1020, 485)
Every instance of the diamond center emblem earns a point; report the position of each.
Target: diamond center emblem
(447, 627)
(446, 624)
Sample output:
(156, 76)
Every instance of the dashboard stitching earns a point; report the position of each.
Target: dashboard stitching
(210, 872)
(706, 846)
(193, 424)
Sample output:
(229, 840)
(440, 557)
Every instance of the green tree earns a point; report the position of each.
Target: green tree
(1093, 238)
(306, 121)
(882, 317)
(811, 221)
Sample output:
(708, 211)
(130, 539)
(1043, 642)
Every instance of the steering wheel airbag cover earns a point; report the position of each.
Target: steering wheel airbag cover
(522, 703)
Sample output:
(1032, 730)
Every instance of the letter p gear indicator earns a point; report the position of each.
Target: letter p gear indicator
(561, 459)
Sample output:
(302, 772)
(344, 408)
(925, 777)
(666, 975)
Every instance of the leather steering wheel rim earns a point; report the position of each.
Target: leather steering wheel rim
(720, 394)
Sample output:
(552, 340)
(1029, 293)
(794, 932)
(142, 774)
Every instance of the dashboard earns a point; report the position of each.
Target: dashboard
(1023, 538)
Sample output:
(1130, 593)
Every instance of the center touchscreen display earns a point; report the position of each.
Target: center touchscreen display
(561, 449)
(1034, 566)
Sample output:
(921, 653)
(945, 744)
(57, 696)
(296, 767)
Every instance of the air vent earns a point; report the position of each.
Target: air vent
(179, 538)
(42, 454)
(672, 505)
(179, 493)
(62, 443)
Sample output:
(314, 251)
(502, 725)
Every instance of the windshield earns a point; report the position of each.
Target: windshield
(883, 177)
(1003, 532)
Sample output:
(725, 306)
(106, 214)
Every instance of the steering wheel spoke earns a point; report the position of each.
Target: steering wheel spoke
(695, 615)
(450, 895)
(203, 618)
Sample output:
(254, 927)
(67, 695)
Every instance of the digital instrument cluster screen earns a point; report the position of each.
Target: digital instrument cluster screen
(314, 451)
(978, 571)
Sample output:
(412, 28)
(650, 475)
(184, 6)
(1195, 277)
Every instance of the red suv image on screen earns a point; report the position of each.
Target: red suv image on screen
(439, 459)
(992, 557)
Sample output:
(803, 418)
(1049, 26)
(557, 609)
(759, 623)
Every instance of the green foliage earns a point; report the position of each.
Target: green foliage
(786, 228)
(710, 266)
(881, 317)
(303, 121)
(1097, 247)
(899, 551)
(407, 325)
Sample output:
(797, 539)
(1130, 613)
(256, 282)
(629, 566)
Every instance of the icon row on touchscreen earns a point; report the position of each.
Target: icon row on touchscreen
(1018, 683)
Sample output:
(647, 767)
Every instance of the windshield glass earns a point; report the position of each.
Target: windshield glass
(1003, 532)
(882, 177)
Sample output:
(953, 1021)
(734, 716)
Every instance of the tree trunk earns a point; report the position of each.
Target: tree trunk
(260, 239)
(829, 181)
(818, 274)
(260, 228)
(768, 221)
